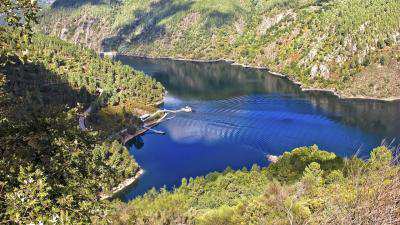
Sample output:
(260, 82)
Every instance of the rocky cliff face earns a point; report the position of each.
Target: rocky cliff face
(86, 30)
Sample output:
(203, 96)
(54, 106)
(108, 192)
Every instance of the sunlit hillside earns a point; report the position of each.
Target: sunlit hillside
(348, 46)
(306, 186)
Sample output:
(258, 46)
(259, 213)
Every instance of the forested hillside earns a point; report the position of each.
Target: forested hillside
(54, 172)
(305, 186)
(50, 170)
(348, 46)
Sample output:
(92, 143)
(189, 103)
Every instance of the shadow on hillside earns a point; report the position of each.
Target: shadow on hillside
(37, 92)
(77, 3)
(217, 19)
(146, 28)
(34, 124)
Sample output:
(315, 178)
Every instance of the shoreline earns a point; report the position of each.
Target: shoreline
(304, 89)
(122, 186)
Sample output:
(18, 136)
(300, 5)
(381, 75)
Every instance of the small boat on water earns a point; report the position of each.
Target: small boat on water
(126, 137)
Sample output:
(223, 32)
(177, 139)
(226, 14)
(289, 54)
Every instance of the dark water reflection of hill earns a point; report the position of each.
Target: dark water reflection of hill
(242, 114)
(211, 81)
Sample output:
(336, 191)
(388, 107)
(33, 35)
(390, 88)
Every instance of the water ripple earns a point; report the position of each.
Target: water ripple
(270, 116)
(256, 120)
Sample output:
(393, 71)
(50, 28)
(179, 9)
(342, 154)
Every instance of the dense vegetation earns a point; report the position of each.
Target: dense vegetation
(349, 46)
(316, 188)
(53, 172)
(50, 170)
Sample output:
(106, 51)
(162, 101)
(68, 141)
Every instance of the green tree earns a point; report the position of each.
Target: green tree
(20, 16)
(31, 201)
(291, 165)
(380, 157)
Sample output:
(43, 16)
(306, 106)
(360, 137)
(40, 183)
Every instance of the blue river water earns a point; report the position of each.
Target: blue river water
(241, 115)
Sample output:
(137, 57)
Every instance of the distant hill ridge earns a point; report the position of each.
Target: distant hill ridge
(347, 46)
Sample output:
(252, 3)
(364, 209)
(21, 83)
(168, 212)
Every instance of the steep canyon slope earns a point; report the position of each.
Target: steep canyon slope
(347, 46)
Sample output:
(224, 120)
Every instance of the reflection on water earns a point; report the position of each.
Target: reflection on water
(210, 81)
(241, 114)
(137, 142)
(378, 117)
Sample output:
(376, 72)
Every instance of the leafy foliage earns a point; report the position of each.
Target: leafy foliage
(320, 195)
(50, 170)
(321, 44)
(20, 14)
(291, 165)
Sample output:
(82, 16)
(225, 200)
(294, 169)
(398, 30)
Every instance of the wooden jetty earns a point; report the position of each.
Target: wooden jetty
(149, 124)
(126, 137)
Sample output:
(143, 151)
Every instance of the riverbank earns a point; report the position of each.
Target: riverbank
(362, 61)
(295, 82)
(270, 195)
(122, 186)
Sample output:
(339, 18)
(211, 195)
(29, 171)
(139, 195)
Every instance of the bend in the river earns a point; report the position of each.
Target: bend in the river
(243, 114)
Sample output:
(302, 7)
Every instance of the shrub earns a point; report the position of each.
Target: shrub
(223, 216)
(381, 44)
(389, 42)
(354, 166)
(367, 61)
(380, 157)
(383, 60)
(312, 176)
(291, 165)
(336, 176)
